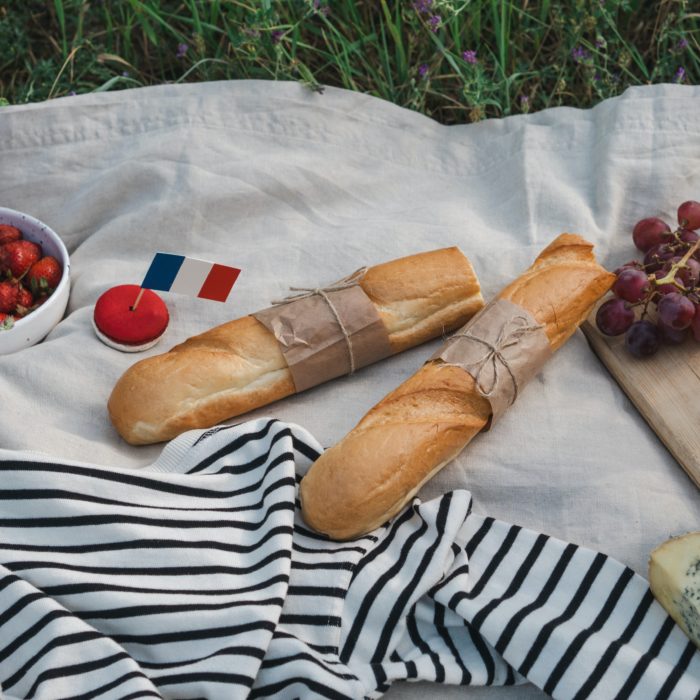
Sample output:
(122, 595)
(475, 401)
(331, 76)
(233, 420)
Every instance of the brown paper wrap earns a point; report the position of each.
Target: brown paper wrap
(327, 332)
(502, 347)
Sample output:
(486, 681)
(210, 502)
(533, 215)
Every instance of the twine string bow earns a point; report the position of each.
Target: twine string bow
(509, 334)
(344, 283)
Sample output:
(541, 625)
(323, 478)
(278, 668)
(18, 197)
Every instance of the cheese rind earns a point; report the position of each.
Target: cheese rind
(674, 577)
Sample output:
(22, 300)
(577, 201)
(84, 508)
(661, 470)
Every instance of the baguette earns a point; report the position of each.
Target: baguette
(238, 366)
(375, 470)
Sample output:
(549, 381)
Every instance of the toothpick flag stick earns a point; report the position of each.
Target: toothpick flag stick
(138, 299)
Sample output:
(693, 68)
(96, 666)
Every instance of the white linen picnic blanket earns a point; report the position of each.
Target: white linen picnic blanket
(196, 577)
(297, 188)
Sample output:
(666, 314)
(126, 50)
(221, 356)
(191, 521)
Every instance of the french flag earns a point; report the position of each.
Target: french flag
(183, 275)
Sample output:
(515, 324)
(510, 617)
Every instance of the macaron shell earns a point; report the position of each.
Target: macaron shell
(131, 331)
(124, 348)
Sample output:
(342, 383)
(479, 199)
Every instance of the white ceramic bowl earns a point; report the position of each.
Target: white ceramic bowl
(35, 326)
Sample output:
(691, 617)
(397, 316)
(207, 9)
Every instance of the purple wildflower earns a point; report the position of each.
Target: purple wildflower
(181, 50)
(434, 22)
(276, 36)
(682, 44)
(125, 73)
(422, 6)
(72, 93)
(470, 56)
(599, 43)
(596, 77)
(423, 70)
(524, 100)
(680, 74)
(579, 54)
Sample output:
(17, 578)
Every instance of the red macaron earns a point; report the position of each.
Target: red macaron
(120, 326)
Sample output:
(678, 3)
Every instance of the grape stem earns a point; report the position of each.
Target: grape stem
(671, 276)
(647, 301)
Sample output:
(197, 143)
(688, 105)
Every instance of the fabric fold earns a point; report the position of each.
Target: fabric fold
(196, 577)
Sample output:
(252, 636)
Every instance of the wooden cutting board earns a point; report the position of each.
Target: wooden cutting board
(665, 388)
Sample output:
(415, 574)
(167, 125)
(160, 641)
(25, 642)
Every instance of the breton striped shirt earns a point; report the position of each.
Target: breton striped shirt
(197, 578)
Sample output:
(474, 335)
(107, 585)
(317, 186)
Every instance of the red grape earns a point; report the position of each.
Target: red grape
(656, 257)
(689, 274)
(642, 338)
(650, 232)
(688, 236)
(614, 317)
(672, 335)
(631, 285)
(689, 215)
(675, 303)
(633, 264)
(676, 311)
(695, 324)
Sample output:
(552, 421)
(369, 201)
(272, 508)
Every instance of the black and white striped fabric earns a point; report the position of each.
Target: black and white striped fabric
(195, 578)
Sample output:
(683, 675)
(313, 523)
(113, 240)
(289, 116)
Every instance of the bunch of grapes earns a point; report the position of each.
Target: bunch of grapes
(658, 300)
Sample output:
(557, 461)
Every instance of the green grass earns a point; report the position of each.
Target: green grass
(529, 55)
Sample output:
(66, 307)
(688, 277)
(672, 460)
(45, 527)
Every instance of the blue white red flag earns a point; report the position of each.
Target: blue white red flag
(183, 275)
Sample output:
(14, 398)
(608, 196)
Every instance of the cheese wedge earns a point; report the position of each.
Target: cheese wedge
(674, 577)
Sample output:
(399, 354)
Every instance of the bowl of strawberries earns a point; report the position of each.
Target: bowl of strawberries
(34, 280)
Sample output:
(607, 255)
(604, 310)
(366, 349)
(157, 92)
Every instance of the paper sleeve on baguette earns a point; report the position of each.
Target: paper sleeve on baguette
(238, 366)
(375, 470)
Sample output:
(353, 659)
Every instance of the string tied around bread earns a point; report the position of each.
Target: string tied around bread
(345, 283)
(509, 334)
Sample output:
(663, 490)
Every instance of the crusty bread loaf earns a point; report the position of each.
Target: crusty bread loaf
(375, 470)
(238, 366)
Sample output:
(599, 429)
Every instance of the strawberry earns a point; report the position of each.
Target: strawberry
(44, 275)
(6, 322)
(25, 299)
(9, 233)
(9, 293)
(19, 256)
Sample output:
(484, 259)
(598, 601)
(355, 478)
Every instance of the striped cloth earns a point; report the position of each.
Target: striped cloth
(195, 578)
